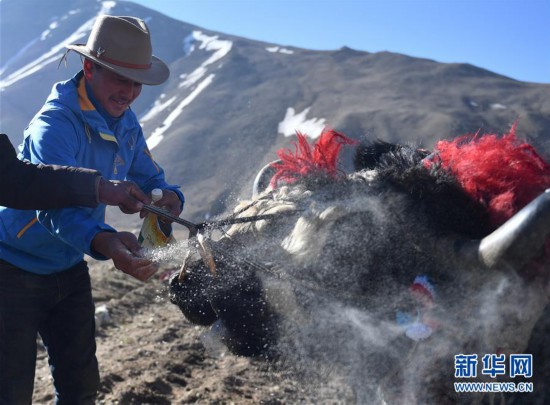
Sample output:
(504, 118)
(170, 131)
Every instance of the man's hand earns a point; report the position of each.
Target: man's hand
(169, 202)
(125, 251)
(126, 194)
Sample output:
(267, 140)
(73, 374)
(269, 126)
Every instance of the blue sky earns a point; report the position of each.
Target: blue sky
(509, 37)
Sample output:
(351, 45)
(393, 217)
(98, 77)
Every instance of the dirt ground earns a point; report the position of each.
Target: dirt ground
(149, 353)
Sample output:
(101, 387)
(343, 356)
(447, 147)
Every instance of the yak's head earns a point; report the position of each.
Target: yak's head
(388, 272)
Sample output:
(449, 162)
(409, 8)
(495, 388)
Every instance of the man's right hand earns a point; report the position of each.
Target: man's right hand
(126, 253)
(126, 194)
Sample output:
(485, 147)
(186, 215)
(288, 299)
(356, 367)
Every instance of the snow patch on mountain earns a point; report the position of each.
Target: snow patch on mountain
(158, 134)
(298, 122)
(220, 49)
(157, 107)
(56, 52)
(275, 49)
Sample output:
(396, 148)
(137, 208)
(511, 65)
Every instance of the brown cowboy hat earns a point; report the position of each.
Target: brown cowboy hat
(123, 45)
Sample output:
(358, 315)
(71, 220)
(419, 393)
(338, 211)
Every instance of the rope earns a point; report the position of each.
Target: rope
(195, 228)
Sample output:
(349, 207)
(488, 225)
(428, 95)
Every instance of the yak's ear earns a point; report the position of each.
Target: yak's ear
(263, 178)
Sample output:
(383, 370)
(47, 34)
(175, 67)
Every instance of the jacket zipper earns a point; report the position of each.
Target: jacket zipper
(22, 231)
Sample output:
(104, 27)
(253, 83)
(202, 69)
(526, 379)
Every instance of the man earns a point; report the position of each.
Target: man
(26, 186)
(44, 281)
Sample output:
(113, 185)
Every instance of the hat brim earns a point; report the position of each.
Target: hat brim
(156, 74)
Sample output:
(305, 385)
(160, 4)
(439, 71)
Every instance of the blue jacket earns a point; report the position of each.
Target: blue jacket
(68, 130)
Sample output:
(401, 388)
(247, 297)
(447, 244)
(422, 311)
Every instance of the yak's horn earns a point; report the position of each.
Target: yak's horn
(519, 239)
(263, 178)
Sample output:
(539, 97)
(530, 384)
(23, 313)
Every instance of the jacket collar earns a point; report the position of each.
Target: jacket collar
(83, 99)
(73, 95)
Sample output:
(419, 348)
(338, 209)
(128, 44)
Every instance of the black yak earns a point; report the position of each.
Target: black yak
(384, 275)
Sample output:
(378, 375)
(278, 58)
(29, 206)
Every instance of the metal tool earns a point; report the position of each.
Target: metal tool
(196, 228)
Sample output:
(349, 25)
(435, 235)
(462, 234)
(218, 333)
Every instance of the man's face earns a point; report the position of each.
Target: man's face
(113, 91)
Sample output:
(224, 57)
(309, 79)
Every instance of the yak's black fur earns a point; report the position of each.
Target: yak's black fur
(435, 192)
(235, 294)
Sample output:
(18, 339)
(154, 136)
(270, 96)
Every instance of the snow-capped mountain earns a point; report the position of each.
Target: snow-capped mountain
(231, 102)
